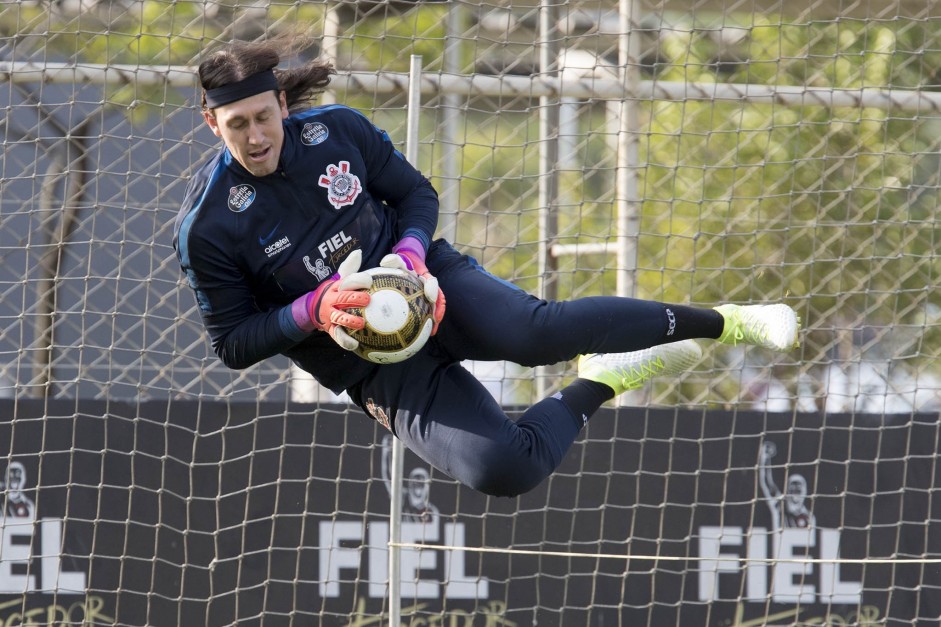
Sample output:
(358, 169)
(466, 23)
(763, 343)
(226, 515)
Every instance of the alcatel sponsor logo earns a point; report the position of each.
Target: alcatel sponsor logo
(279, 246)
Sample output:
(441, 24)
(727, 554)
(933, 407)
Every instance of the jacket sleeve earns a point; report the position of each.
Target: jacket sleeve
(240, 334)
(396, 182)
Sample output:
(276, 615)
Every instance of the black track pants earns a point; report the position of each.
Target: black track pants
(449, 419)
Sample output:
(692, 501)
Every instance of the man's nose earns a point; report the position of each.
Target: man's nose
(255, 134)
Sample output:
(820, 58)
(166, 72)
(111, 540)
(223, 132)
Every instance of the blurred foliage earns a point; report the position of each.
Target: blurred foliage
(385, 36)
(835, 208)
(157, 33)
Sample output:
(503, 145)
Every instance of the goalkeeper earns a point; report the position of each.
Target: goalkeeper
(273, 232)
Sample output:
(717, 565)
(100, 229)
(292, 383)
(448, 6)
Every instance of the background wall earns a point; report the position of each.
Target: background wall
(188, 513)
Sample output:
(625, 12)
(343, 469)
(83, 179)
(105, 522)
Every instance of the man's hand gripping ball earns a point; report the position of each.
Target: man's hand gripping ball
(328, 303)
(407, 259)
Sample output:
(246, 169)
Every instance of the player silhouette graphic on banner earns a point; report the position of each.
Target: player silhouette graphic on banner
(788, 509)
(15, 502)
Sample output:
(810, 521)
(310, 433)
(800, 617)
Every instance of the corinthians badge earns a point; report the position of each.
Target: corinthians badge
(342, 187)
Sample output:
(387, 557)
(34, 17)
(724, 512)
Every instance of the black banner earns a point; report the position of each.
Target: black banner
(213, 513)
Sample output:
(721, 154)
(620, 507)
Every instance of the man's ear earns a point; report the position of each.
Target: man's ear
(283, 101)
(211, 122)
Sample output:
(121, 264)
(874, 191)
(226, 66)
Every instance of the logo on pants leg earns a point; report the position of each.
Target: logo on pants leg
(378, 413)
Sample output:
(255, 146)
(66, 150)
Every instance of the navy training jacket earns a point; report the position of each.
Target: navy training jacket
(249, 246)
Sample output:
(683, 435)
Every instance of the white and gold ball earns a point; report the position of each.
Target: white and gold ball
(398, 317)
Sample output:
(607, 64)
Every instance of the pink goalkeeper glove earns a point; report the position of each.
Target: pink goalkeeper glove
(406, 256)
(326, 306)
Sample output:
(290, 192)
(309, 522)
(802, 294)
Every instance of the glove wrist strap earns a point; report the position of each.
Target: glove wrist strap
(409, 247)
(314, 303)
(300, 311)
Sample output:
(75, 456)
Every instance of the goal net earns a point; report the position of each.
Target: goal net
(689, 152)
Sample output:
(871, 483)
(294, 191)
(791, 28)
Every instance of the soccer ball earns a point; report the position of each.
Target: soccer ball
(398, 317)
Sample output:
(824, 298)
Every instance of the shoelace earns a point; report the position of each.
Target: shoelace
(750, 333)
(647, 370)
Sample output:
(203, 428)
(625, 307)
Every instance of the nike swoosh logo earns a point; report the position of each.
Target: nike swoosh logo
(267, 238)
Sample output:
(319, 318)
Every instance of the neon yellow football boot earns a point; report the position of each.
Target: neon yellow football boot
(774, 327)
(629, 371)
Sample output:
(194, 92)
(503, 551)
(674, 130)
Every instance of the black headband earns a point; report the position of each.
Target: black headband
(248, 86)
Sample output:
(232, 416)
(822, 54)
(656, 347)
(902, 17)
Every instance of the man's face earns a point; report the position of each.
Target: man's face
(16, 477)
(796, 492)
(251, 129)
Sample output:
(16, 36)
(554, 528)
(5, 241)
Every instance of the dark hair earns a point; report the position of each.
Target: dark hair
(240, 59)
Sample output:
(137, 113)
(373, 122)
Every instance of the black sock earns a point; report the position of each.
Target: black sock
(690, 323)
(584, 397)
